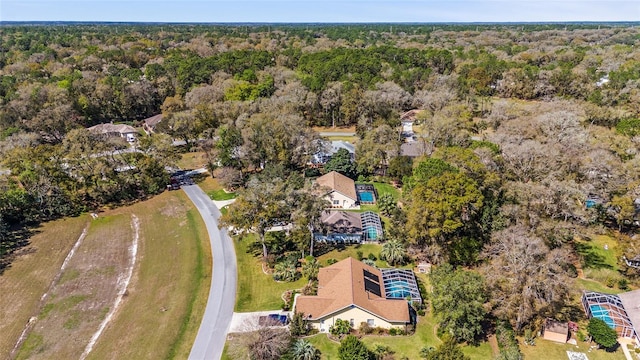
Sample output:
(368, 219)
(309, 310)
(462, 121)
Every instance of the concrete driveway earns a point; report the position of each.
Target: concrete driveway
(218, 314)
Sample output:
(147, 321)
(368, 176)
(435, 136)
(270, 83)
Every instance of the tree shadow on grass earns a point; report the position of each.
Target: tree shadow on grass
(16, 244)
(590, 257)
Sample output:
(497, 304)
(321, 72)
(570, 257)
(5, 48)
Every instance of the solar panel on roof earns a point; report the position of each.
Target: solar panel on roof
(372, 287)
(371, 276)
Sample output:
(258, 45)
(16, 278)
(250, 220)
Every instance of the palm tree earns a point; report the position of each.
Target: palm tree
(311, 268)
(304, 350)
(393, 252)
(285, 271)
(386, 204)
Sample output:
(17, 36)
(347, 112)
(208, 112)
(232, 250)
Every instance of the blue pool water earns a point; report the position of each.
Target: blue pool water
(603, 314)
(397, 289)
(366, 196)
(372, 234)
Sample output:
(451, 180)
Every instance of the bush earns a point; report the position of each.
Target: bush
(332, 261)
(623, 284)
(372, 257)
(365, 328)
(581, 336)
(611, 282)
(422, 312)
(393, 331)
(601, 333)
(360, 255)
(341, 327)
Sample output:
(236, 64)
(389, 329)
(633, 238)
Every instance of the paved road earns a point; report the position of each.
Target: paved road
(222, 294)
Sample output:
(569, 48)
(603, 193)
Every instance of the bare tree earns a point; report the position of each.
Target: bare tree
(525, 279)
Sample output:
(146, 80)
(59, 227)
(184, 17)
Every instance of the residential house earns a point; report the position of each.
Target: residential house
(350, 227)
(330, 149)
(125, 131)
(353, 291)
(149, 124)
(341, 190)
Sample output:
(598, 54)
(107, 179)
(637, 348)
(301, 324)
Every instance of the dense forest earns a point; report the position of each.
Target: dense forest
(522, 126)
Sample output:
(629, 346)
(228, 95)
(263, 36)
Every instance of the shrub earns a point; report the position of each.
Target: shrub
(372, 257)
(341, 327)
(365, 328)
(601, 333)
(360, 255)
(393, 331)
(623, 284)
(332, 261)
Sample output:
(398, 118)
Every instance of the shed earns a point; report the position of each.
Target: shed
(556, 331)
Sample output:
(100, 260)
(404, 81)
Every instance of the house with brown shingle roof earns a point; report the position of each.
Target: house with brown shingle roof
(149, 124)
(341, 190)
(353, 291)
(108, 129)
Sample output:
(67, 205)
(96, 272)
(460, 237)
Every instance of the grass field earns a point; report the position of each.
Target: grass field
(161, 310)
(601, 251)
(257, 290)
(191, 160)
(545, 349)
(30, 275)
(352, 251)
(221, 195)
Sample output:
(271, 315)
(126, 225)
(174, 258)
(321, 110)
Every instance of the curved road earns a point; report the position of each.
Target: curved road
(215, 323)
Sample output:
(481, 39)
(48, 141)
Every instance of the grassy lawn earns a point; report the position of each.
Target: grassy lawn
(352, 251)
(256, 290)
(334, 129)
(191, 160)
(167, 297)
(383, 188)
(30, 275)
(160, 313)
(408, 346)
(221, 195)
(592, 285)
(594, 255)
(551, 350)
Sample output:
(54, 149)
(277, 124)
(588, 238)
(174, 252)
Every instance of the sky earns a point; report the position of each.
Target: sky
(304, 11)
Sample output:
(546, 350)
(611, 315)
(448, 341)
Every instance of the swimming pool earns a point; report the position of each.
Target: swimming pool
(397, 289)
(366, 196)
(602, 313)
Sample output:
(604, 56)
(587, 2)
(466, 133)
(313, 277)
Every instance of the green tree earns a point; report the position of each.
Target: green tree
(304, 350)
(307, 211)
(400, 167)
(340, 327)
(457, 300)
(387, 204)
(601, 333)
(257, 208)
(393, 252)
(311, 268)
(448, 350)
(341, 162)
(298, 325)
(351, 348)
(443, 212)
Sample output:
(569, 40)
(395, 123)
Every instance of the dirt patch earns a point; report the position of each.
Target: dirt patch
(174, 208)
(74, 307)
